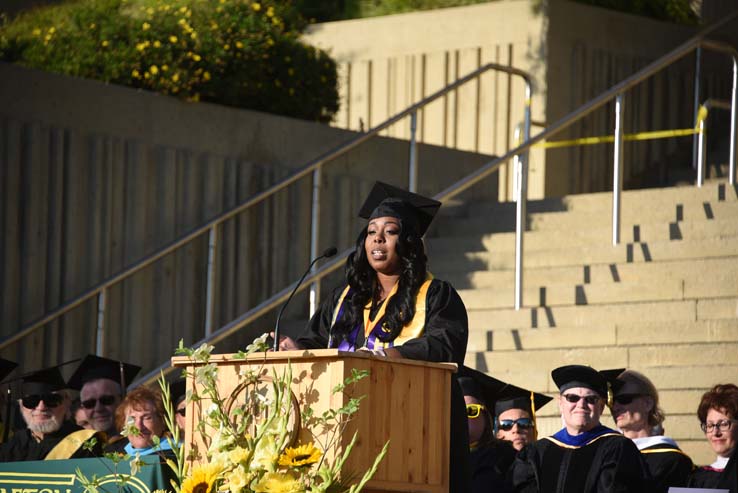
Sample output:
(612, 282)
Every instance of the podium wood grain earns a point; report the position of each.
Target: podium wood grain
(405, 401)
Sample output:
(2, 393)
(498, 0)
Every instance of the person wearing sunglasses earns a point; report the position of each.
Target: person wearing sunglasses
(101, 383)
(44, 405)
(718, 415)
(490, 458)
(515, 415)
(584, 456)
(635, 409)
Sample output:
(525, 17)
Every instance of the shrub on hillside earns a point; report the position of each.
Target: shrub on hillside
(244, 53)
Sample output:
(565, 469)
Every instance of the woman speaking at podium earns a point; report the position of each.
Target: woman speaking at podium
(392, 305)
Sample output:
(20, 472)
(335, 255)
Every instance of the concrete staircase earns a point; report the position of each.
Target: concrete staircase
(664, 301)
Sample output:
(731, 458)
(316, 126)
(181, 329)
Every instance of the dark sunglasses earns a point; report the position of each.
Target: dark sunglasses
(181, 412)
(105, 400)
(591, 400)
(523, 424)
(625, 398)
(51, 400)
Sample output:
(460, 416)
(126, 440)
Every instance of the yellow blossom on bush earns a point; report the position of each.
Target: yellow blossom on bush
(157, 44)
(270, 12)
(239, 45)
(172, 39)
(93, 26)
(52, 30)
(135, 74)
(104, 43)
(206, 76)
(277, 482)
(164, 68)
(154, 69)
(175, 77)
(145, 26)
(37, 32)
(256, 6)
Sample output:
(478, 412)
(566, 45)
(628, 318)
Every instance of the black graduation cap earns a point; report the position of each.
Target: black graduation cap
(513, 397)
(414, 211)
(42, 382)
(480, 385)
(612, 378)
(95, 367)
(6, 367)
(570, 376)
(177, 391)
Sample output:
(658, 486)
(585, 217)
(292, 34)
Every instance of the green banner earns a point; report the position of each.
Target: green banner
(59, 476)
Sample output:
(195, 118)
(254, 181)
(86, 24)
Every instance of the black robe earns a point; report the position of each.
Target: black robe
(706, 477)
(23, 446)
(444, 339)
(607, 464)
(490, 464)
(667, 465)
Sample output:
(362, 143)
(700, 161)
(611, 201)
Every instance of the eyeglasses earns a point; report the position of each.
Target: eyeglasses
(474, 410)
(523, 424)
(625, 399)
(50, 400)
(105, 400)
(723, 425)
(181, 412)
(591, 400)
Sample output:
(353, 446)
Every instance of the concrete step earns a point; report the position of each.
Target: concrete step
(723, 330)
(661, 231)
(594, 273)
(604, 315)
(605, 254)
(601, 201)
(722, 285)
(641, 357)
(489, 222)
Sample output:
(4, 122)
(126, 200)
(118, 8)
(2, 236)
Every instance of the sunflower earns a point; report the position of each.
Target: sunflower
(300, 456)
(202, 479)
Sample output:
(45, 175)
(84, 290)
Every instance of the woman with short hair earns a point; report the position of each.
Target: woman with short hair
(718, 414)
(140, 418)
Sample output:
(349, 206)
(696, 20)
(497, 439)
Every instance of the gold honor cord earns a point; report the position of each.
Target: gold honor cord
(661, 450)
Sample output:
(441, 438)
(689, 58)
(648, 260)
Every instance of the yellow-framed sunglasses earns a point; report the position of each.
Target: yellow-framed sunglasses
(474, 410)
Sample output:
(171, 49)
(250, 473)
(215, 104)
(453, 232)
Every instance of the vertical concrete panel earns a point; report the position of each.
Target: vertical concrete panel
(165, 272)
(466, 111)
(11, 206)
(434, 114)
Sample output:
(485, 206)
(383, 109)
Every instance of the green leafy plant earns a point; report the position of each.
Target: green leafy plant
(240, 53)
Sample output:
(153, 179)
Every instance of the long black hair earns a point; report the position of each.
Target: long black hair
(362, 278)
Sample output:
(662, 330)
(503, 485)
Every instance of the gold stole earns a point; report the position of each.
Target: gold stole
(412, 330)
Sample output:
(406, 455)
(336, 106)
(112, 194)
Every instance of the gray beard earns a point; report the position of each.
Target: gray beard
(49, 426)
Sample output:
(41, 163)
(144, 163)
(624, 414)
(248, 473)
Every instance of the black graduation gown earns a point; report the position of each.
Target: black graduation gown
(667, 465)
(444, 339)
(22, 446)
(490, 464)
(608, 464)
(706, 477)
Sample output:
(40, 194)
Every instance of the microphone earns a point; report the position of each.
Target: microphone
(327, 253)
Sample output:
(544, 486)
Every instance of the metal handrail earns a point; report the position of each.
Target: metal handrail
(313, 166)
(702, 139)
(492, 166)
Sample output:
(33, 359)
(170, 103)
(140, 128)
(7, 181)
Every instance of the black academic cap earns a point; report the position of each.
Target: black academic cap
(570, 376)
(42, 382)
(6, 367)
(514, 397)
(612, 378)
(415, 211)
(95, 367)
(480, 385)
(177, 391)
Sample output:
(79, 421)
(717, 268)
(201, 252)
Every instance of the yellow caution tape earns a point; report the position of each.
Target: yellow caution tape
(658, 134)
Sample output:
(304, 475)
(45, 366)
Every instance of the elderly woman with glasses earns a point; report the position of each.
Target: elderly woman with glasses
(717, 412)
(585, 456)
(637, 415)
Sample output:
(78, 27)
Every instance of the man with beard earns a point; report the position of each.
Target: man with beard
(101, 383)
(44, 405)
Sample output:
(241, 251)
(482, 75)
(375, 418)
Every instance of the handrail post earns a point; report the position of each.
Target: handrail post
(733, 124)
(521, 214)
(413, 166)
(314, 232)
(210, 292)
(697, 73)
(617, 177)
(701, 153)
(100, 332)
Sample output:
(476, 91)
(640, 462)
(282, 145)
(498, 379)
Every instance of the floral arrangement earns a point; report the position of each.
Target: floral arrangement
(250, 436)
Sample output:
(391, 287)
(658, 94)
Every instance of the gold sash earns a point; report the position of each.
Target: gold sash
(66, 448)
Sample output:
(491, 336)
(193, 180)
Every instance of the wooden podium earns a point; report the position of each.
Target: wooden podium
(406, 402)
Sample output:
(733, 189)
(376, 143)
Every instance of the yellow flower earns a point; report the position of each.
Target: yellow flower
(196, 57)
(150, 11)
(93, 25)
(193, 35)
(226, 47)
(276, 482)
(270, 12)
(164, 68)
(302, 455)
(238, 479)
(154, 69)
(206, 76)
(105, 43)
(136, 74)
(37, 32)
(172, 39)
(157, 44)
(175, 77)
(145, 26)
(52, 30)
(140, 46)
(256, 6)
(239, 45)
(238, 455)
(202, 479)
